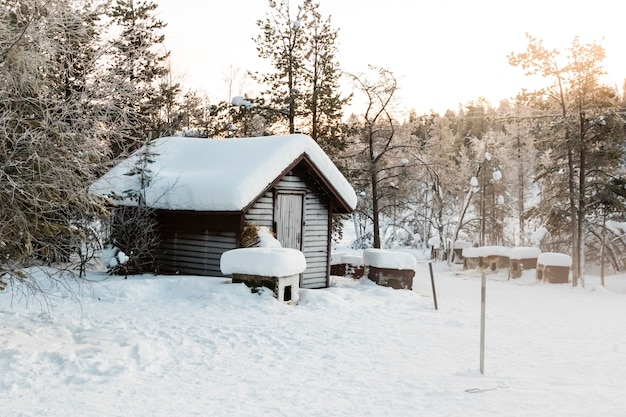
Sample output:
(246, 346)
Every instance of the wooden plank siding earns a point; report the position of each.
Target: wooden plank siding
(316, 241)
(262, 212)
(197, 254)
(193, 242)
(315, 244)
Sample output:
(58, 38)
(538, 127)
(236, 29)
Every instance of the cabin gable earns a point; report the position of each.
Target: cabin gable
(314, 228)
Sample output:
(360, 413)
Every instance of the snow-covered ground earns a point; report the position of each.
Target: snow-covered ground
(196, 346)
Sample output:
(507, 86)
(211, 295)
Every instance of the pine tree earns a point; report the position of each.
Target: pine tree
(303, 89)
(141, 85)
(323, 100)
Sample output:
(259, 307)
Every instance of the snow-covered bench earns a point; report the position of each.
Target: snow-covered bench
(275, 268)
(390, 268)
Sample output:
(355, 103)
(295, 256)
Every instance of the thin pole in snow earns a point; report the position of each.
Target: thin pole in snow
(483, 296)
(432, 283)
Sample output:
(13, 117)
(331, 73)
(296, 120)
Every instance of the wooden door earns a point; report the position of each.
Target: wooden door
(288, 219)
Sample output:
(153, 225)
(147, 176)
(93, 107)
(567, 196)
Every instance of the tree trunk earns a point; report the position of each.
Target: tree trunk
(580, 228)
(602, 248)
(375, 216)
(573, 212)
(520, 192)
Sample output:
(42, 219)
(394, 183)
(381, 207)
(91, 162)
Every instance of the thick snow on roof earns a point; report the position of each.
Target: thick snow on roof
(524, 252)
(219, 174)
(554, 259)
(383, 258)
(338, 258)
(482, 251)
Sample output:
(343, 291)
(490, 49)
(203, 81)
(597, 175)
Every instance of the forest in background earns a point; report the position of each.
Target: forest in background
(85, 83)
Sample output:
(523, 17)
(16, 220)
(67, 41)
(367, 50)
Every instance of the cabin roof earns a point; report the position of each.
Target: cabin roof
(222, 174)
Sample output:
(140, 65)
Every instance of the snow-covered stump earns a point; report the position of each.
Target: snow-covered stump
(553, 267)
(390, 268)
(523, 258)
(275, 268)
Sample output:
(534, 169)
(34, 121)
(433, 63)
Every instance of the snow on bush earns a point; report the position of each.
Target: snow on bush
(241, 101)
(618, 228)
(539, 235)
(263, 261)
(112, 256)
(382, 258)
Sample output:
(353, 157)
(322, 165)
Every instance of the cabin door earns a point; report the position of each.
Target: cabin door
(288, 219)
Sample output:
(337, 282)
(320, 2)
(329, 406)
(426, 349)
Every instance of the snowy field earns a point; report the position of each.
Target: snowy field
(194, 346)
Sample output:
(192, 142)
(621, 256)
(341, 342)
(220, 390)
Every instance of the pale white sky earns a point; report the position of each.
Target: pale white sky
(443, 52)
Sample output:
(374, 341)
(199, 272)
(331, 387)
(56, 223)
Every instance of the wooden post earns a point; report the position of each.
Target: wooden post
(432, 283)
(483, 294)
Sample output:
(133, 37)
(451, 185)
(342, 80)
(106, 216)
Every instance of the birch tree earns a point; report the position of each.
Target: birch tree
(51, 147)
(578, 99)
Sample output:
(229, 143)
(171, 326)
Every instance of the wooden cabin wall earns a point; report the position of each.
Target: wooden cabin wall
(316, 229)
(316, 243)
(262, 212)
(193, 243)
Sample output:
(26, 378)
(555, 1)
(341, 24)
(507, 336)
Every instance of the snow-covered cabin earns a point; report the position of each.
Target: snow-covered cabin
(205, 191)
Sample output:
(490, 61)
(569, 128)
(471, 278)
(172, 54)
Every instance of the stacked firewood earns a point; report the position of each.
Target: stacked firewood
(252, 235)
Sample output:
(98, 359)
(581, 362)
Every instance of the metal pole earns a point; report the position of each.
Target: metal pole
(432, 283)
(483, 294)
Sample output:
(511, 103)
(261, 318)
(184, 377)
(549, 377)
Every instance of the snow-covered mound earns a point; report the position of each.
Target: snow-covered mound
(163, 346)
